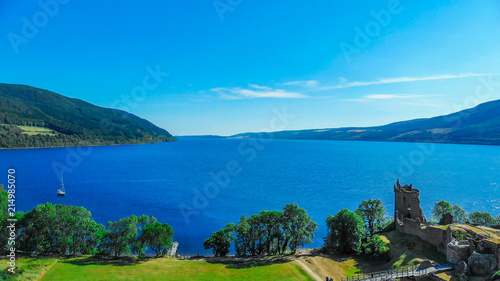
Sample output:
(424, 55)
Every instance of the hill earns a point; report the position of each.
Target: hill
(478, 125)
(33, 117)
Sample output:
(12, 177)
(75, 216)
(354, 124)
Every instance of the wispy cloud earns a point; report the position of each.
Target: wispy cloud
(304, 83)
(255, 91)
(399, 80)
(416, 100)
(387, 97)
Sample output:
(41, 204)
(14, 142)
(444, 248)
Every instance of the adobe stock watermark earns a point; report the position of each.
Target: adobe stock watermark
(75, 155)
(485, 90)
(248, 149)
(31, 26)
(224, 6)
(139, 93)
(363, 37)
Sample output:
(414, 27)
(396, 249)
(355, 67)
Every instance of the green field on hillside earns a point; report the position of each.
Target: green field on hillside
(84, 268)
(30, 130)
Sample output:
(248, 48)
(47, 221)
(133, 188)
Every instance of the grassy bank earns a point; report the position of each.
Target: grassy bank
(28, 268)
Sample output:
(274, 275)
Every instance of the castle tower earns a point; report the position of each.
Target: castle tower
(407, 204)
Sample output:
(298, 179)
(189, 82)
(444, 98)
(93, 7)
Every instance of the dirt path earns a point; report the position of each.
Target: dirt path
(308, 270)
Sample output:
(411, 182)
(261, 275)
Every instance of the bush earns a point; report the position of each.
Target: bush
(460, 236)
(483, 218)
(375, 246)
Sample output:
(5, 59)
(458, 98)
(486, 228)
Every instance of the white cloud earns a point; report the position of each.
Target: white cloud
(255, 91)
(259, 87)
(414, 100)
(305, 83)
(399, 80)
(386, 97)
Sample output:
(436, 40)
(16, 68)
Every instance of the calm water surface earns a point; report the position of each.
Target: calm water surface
(165, 180)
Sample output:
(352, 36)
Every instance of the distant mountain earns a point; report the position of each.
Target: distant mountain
(478, 125)
(33, 117)
(202, 137)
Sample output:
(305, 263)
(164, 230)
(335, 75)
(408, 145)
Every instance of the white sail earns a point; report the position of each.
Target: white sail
(62, 191)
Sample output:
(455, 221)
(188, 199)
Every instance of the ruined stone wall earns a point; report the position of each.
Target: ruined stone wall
(436, 236)
(410, 219)
(498, 259)
(459, 251)
(482, 263)
(491, 247)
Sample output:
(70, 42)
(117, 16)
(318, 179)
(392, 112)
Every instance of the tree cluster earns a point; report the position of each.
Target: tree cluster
(355, 232)
(460, 215)
(267, 233)
(13, 137)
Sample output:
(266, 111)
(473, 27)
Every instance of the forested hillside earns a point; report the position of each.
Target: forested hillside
(33, 117)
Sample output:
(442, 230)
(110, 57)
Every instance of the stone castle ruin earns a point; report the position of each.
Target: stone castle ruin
(477, 246)
(407, 205)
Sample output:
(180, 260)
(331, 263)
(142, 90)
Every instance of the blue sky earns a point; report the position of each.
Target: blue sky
(232, 63)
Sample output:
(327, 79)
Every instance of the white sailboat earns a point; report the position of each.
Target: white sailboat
(62, 191)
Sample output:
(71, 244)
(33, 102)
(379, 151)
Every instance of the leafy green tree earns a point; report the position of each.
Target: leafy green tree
(375, 246)
(220, 241)
(267, 233)
(298, 227)
(4, 202)
(373, 213)
(4, 223)
(138, 246)
(459, 214)
(242, 237)
(76, 230)
(158, 236)
(272, 221)
(58, 229)
(345, 231)
(483, 218)
(498, 220)
(36, 235)
(120, 235)
(440, 209)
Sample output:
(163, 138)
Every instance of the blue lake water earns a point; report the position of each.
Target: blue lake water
(167, 180)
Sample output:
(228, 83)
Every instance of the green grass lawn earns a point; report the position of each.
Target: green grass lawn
(83, 268)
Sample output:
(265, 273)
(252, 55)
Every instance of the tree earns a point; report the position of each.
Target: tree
(498, 220)
(158, 236)
(220, 241)
(298, 227)
(120, 235)
(242, 239)
(373, 213)
(440, 209)
(375, 246)
(138, 246)
(58, 229)
(483, 218)
(272, 222)
(459, 214)
(345, 231)
(75, 231)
